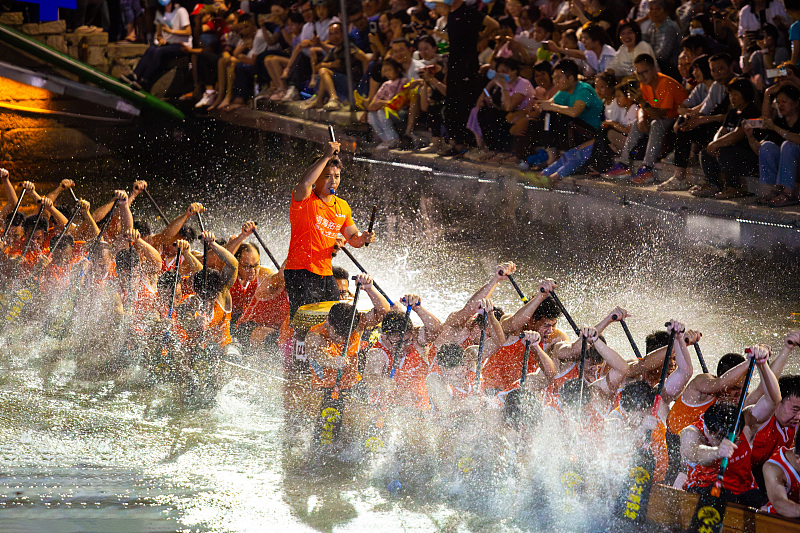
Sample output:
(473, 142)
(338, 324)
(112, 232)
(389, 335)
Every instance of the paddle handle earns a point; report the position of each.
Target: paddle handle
(175, 283)
(479, 364)
(346, 345)
(584, 343)
(665, 365)
(332, 135)
(65, 230)
(152, 201)
(572, 323)
(630, 338)
(200, 221)
(371, 221)
(717, 489)
(525, 358)
(395, 356)
(361, 268)
(14, 214)
(33, 231)
(516, 287)
(700, 357)
(74, 198)
(264, 246)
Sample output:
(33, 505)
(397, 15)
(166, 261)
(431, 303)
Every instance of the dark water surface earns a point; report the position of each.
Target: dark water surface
(80, 456)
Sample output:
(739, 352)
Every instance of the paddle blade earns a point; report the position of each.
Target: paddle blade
(634, 497)
(708, 515)
(329, 423)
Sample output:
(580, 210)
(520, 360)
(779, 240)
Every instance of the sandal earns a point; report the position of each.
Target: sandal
(783, 200)
(774, 193)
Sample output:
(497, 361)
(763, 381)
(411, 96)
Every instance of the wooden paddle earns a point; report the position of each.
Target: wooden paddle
(710, 510)
(330, 412)
(632, 502)
(371, 221)
(700, 357)
(396, 355)
(516, 287)
(630, 338)
(160, 212)
(361, 268)
(479, 364)
(33, 232)
(14, 214)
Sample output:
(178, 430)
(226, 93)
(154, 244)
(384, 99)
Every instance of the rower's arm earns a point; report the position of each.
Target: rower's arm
(708, 384)
(791, 340)
(432, 326)
(545, 362)
(62, 186)
(495, 329)
(11, 194)
(151, 259)
(58, 217)
(170, 233)
(234, 243)
(776, 483)
(88, 227)
(304, 187)
(439, 393)
(677, 381)
(648, 363)
(190, 264)
(765, 407)
(514, 324)
(231, 264)
(379, 304)
(694, 451)
(124, 210)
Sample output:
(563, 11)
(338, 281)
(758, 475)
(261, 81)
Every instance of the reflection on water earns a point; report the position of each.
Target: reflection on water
(77, 456)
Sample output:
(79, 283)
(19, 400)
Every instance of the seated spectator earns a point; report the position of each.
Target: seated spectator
(333, 74)
(381, 40)
(252, 44)
(174, 38)
(572, 117)
(606, 13)
(213, 29)
(620, 115)
(380, 118)
(658, 97)
(536, 40)
(543, 78)
(427, 107)
(685, 70)
(567, 47)
(752, 15)
(767, 57)
(505, 46)
(277, 65)
(699, 123)
(664, 36)
(630, 35)
(779, 152)
(728, 158)
(249, 67)
(526, 29)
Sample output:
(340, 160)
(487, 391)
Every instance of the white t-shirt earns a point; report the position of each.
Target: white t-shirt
(177, 19)
(259, 44)
(626, 117)
(622, 63)
(749, 22)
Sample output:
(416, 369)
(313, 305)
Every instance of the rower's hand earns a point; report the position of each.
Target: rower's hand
(532, 337)
(546, 286)
(761, 353)
(133, 235)
(47, 202)
(365, 280)
(207, 237)
(502, 270)
(28, 186)
(194, 208)
(792, 339)
(411, 299)
(726, 449)
(338, 245)
(182, 245)
(675, 326)
(331, 147)
(139, 186)
(248, 228)
(692, 337)
(67, 184)
(4, 174)
(618, 314)
(485, 306)
(84, 206)
(369, 236)
(590, 333)
(122, 196)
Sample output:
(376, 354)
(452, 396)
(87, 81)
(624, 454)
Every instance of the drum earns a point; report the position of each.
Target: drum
(308, 316)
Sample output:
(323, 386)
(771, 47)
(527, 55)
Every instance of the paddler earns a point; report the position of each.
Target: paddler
(783, 481)
(704, 443)
(324, 341)
(404, 349)
(317, 216)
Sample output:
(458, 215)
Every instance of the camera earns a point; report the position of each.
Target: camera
(633, 85)
(373, 26)
(773, 73)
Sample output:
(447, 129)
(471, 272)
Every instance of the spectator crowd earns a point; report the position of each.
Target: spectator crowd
(594, 87)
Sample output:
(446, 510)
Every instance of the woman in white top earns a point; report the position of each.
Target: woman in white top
(173, 38)
(630, 35)
(596, 54)
(750, 18)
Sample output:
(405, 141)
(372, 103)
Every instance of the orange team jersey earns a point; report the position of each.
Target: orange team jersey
(325, 378)
(551, 391)
(241, 295)
(769, 438)
(146, 302)
(315, 226)
(503, 368)
(738, 476)
(789, 471)
(267, 312)
(410, 376)
(684, 414)
(669, 94)
(218, 330)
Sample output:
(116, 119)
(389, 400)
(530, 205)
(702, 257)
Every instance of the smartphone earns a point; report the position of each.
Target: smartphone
(773, 73)
(373, 26)
(755, 123)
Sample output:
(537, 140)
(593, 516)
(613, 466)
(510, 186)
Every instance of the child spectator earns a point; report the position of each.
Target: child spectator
(379, 117)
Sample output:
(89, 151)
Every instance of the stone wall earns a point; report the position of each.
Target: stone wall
(91, 48)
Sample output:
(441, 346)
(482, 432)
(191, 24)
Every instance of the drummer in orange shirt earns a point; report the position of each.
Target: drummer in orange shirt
(317, 217)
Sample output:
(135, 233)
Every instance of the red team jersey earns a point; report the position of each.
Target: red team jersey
(738, 476)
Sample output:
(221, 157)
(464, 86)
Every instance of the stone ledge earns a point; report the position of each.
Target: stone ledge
(12, 19)
(125, 51)
(45, 28)
(91, 39)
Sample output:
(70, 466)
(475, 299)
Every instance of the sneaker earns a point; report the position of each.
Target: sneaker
(207, 99)
(292, 95)
(619, 170)
(332, 105)
(675, 184)
(643, 176)
(524, 165)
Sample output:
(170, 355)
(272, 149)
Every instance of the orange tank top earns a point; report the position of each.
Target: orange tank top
(410, 376)
(218, 329)
(683, 414)
(504, 367)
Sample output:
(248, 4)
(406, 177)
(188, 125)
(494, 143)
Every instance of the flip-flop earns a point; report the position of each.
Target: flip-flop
(783, 200)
